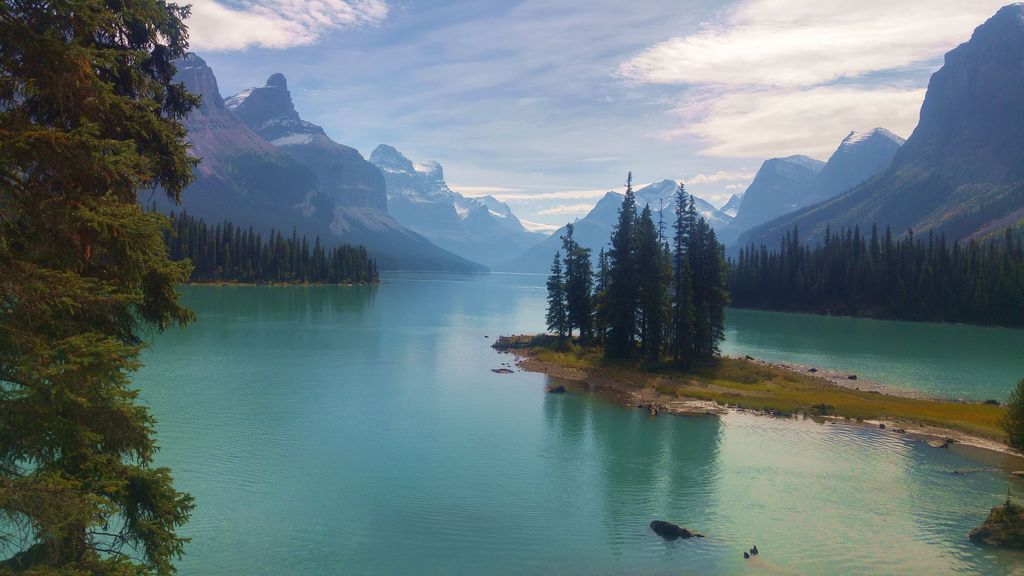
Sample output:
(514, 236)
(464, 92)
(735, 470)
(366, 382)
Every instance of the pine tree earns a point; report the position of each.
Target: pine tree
(682, 284)
(89, 117)
(622, 280)
(578, 284)
(650, 286)
(557, 318)
(600, 298)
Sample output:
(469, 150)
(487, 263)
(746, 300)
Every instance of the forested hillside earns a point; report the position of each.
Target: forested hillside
(912, 278)
(225, 252)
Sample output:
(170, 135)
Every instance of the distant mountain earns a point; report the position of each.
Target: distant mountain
(345, 177)
(733, 205)
(860, 156)
(246, 179)
(780, 186)
(242, 177)
(481, 229)
(594, 230)
(962, 170)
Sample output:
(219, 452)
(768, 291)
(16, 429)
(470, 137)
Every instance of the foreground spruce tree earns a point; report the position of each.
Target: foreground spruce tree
(88, 117)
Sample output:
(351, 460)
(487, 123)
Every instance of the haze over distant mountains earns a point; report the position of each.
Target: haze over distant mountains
(594, 230)
(483, 229)
(784, 185)
(263, 166)
(962, 170)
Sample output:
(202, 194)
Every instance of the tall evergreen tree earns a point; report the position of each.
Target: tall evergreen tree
(600, 298)
(650, 286)
(622, 280)
(682, 282)
(89, 116)
(578, 285)
(557, 316)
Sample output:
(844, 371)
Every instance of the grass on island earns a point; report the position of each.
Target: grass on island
(756, 386)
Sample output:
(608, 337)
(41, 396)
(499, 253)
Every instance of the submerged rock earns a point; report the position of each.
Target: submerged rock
(1004, 527)
(556, 389)
(501, 370)
(670, 531)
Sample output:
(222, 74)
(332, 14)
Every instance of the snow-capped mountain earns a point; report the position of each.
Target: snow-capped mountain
(594, 230)
(482, 229)
(860, 156)
(347, 178)
(250, 181)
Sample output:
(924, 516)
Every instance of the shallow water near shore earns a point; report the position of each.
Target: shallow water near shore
(359, 430)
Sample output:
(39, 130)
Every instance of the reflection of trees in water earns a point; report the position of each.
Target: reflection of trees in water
(647, 468)
(271, 303)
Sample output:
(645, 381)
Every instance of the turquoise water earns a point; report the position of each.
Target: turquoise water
(944, 360)
(330, 430)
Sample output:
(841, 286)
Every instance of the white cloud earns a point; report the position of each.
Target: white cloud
(477, 191)
(722, 176)
(793, 43)
(219, 25)
(542, 196)
(567, 209)
(778, 77)
(813, 121)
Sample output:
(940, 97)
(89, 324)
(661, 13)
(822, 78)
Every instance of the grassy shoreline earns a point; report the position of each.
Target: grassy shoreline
(746, 384)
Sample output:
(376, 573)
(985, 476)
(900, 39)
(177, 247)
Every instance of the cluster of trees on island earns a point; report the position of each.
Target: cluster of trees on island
(649, 295)
(226, 252)
(911, 278)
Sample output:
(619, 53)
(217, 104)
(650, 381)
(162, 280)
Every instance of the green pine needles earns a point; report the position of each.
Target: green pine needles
(89, 116)
(648, 298)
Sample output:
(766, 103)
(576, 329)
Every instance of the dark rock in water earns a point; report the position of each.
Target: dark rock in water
(944, 443)
(670, 531)
(1004, 527)
(813, 370)
(899, 430)
(992, 402)
(851, 377)
(748, 357)
(501, 370)
(556, 389)
(881, 426)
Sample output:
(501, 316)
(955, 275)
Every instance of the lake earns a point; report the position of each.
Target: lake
(359, 430)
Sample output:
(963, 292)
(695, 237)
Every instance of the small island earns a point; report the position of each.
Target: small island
(747, 384)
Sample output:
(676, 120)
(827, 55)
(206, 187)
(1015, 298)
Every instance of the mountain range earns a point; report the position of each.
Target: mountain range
(594, 230)
(784, 185)
(482, 229)
(961, 172)
(263, 166)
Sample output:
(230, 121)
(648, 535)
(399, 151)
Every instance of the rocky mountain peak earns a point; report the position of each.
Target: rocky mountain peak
(874, 136)
(277, 80)
(199, 79)
(389, 159)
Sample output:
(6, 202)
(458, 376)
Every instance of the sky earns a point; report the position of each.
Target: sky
(547, 105)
